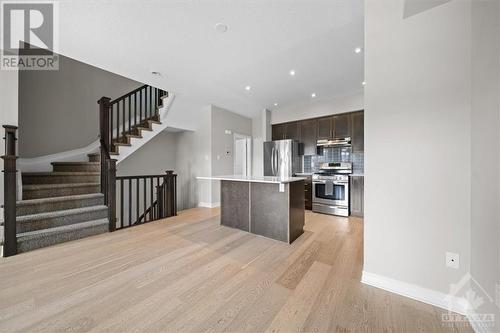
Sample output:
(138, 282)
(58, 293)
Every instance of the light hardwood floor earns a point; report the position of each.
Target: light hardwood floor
(189, 274)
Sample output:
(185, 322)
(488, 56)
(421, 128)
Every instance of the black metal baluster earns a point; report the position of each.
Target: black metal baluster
(123, 121)
(151, 218)
(145, 203)
(121, 202)
(130, 202)
(140, 106)
(118, 119)
(137, 200)
(111, 146)
(129, 114)
(151, 101)
(158, 197)
(135, 109)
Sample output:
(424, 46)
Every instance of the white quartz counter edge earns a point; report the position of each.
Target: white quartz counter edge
(271, 180)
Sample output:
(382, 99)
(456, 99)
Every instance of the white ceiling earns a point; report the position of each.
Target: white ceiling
(264, 41)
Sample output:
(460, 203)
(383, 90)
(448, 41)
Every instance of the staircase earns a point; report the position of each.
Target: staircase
(66, 203)
(61, 205)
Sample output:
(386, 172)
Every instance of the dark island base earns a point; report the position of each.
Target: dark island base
(260, 208)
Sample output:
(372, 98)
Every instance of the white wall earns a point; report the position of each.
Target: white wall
(223, 163)
(194, 155)
(261, 132)
(319, 107)
(154, 158)
(417, 142)
(485, 218)
(58, 110)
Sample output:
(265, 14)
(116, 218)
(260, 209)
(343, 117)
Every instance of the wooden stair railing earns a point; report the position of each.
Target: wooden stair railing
(120, 119)
(165, 204)
(9, 191)
(148, 198)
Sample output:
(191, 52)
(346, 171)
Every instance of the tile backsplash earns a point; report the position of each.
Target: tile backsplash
(312, 163)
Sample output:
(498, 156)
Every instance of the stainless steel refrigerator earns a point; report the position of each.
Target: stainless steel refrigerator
(281, 158)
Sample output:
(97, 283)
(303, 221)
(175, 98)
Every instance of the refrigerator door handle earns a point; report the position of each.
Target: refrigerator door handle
(272, 161)
(276, 167)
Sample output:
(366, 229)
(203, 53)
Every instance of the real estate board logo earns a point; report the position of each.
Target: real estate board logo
(463, 292)
(29, 36)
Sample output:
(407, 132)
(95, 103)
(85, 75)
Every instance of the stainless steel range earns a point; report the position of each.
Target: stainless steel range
(331, 189)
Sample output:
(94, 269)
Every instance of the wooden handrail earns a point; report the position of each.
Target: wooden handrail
(10, 191)
(148, 197)
(128, 94)
(117, 118)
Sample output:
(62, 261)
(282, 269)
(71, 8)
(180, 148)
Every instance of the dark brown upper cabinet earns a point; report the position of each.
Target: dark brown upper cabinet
(286, 131)
(292, 131)
(342, 126)
(308, 135)
(278, 132)
(325, 128)
(358, 131)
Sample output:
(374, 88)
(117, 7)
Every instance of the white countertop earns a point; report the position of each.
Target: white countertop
(265, 179)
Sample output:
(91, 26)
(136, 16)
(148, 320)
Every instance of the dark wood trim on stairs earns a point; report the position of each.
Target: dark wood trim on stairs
(10, 191)
(154, 199)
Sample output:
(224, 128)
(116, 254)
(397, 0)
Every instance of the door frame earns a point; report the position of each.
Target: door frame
(248, 140)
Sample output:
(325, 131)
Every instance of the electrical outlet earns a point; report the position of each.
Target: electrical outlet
(452, 260)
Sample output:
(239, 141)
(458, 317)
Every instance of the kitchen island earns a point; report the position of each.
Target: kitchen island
(267, 206)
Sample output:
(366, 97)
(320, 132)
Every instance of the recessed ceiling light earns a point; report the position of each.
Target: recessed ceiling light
(358, 50)
(248, 88)
(155, 73)
(292, 72)
(276, 104)
(363, 83)
(313, 95)
(221, 27)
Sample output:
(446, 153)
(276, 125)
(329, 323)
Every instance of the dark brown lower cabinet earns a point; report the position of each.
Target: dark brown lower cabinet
(308, 193)
(357, 195)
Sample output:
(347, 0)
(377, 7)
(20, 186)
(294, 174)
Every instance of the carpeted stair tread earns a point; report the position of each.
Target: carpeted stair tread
(58, 199)
(32, 240)
(61, 173)
(42, 205)
(59, 213)
(75, 163)
(49, 186)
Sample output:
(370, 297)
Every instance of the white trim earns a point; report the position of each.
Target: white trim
(43, 163)
(248, 142)
(429, 296)
(209, 204)
(1, 214)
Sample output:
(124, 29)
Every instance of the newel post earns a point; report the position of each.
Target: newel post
(171, 195)
(10, 191)
(111, 193)
(105, 136)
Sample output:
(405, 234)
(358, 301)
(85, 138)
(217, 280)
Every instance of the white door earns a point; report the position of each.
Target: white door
(242, 155)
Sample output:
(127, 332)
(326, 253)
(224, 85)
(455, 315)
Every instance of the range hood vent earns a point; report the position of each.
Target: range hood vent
(339, 142)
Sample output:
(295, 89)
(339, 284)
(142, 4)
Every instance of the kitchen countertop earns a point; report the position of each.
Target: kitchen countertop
(306, 174)
(265, 179)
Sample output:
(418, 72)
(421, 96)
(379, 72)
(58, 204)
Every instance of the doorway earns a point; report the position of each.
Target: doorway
(242, 155)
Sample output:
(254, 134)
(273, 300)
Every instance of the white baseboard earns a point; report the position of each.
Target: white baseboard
(209, 204)
(429, 296)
